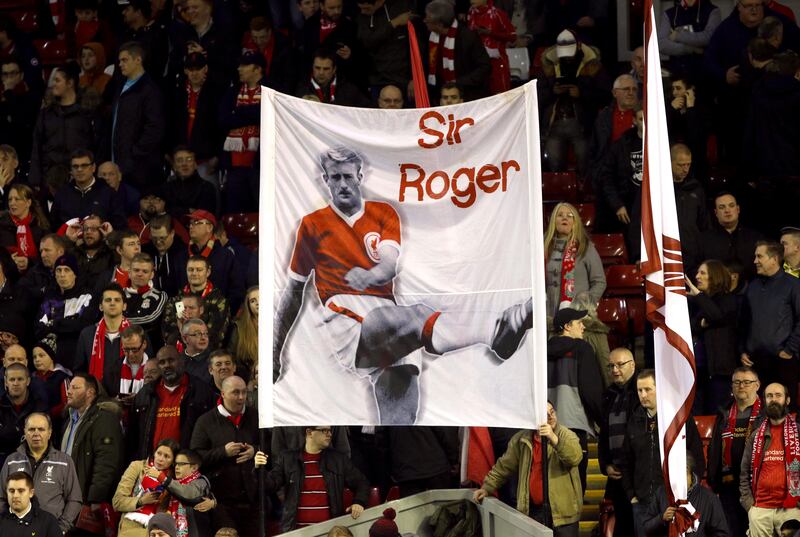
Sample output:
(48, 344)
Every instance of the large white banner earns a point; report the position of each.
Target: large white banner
(401, 259)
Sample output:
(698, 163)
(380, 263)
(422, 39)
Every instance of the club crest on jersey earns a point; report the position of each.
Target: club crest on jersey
(371, 241)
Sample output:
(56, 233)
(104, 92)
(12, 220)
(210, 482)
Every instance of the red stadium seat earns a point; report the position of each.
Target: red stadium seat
(374, 497)
(613, 312)
(393, 494)
(19, 4)
(26, 21)
(52, 51)
(636, 315)
(587, 212)
(705, 426)
(624, 280)
(243, 226)
(559, 186)
(611, 248)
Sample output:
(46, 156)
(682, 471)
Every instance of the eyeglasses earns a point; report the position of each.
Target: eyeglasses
(745, 383)
(182, 463)
(81, 166)
(612, 367)
(323, 430)
(11, 73)
(131, 350)
(198, 222)
(198, 334)
(183, 160)
(90, 228)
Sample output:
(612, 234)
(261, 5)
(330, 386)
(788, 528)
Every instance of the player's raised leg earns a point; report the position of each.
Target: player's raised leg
(397, 395)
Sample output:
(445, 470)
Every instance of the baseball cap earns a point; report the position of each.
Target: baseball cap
(249, 57)
(200, 214)
(195, 60)
(566, 316)
(566, 44)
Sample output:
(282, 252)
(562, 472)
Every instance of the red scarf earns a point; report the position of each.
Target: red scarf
(97, 360)
(191, 102)
(236, 420)
(791, 457)
(568, 274)
(321, 94)
(25, 242)
(128, 383)
(242, 142)
(209, 287)
(442, 56)
(178, 510)
(148, 484)
(326, 27)
(121, 277)
(206, 251)
(727, 434)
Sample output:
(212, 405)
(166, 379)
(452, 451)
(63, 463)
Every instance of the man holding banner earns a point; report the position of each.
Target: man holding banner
(353, 246)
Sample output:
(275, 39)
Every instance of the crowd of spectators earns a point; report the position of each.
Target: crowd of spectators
(128, 314)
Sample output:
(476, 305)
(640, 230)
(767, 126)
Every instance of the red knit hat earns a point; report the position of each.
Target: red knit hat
(385, 526)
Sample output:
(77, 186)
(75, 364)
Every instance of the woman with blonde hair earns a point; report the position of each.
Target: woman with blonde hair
(572, 264)
(244, 339)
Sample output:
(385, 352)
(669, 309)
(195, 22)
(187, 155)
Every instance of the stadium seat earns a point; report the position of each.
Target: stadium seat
(636, 315)
(588, 215)
(624, 280)
(393, 494)
(705, 426)
(559, 186)
(614, 313)
(347, 498)
(611, 248)
(51, 51)
(520, 63)
(244, 227)
(26, 21)
(374, 497)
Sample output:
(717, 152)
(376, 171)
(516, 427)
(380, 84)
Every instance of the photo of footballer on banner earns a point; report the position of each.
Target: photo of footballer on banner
(385, 312)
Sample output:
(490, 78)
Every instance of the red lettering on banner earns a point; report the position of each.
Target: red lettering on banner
(454, 127)
(464, 183)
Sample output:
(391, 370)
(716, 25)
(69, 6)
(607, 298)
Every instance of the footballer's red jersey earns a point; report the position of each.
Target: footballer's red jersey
(331, 244)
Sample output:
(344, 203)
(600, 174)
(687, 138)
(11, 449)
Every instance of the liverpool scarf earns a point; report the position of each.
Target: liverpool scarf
(321, 94)
(25, 243)
(730, 427)
(568, 274)
(791, 457)
(178, 510)
(206, 250)
(244, 139)
(97, 360)
(209, 287)
(128, 382)
(442, 55)
(145, 485)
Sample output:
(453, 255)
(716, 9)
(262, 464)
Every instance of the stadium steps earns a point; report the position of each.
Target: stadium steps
(595, 489)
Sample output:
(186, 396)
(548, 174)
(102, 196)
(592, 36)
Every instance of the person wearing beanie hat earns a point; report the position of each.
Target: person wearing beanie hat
(162, 525)
(52, 375)
(385, 526)
(65, 310)
(573, 82)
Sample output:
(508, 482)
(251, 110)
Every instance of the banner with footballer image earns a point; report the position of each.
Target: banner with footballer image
(401, 264)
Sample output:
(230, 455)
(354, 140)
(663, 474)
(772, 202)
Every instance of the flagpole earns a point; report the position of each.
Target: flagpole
(548, 516)
(262, 489)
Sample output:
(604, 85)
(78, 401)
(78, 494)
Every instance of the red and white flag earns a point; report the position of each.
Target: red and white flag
(667, 306)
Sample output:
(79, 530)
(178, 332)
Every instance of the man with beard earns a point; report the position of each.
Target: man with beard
(770, 480)
(151, 205)
(188, 192)
(731, 430)
(167, 408)
(94, 256)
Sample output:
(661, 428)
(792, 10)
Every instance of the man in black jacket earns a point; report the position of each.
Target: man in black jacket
(731, 430)
(619, 402)
(327, 85)
(383, 33)
(770, 321)
(16, 405)
(641, 469)
(728, 240)
(225, 437)
(188, 192)
(173, 392)
(315, 467)
(138, 122)
(690, 204)
(470, 67)
(23, 518)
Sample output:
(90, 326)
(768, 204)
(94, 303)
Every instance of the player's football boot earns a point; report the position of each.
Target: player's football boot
(511, 327)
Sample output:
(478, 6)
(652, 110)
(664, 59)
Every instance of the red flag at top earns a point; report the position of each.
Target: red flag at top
(417, 72)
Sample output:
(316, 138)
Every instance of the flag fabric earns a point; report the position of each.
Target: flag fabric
(477, 454)
(667, 306)
(400, 260)
(417, 70)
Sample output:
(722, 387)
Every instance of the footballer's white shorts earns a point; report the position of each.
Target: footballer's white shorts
(342, 316)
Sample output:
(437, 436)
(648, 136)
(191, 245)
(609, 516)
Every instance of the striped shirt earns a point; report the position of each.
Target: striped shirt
(313, 506)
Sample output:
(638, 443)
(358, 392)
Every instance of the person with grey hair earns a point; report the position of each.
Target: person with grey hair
(194, 334)
(53, 472)
(372, 336)
(458, 53)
